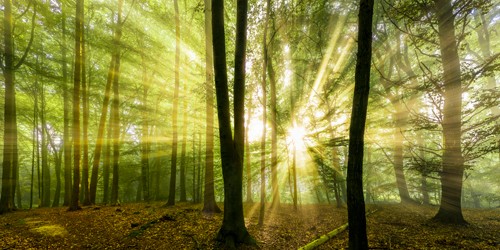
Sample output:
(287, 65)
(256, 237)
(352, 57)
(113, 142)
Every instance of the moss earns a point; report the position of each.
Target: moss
(51, 230)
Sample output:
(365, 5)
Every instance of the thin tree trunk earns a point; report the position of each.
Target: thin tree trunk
(248, 159)
(66, 132)
(107, 163)
(355, 200)
(173, 163)
(209, 204)
(100, 130)
(76, 105)
(200, 187)
(85, 107)
(183, 151)
(45, 164)
(264, 121)
(145, 140)
(115, 111)
(274, 124)
(450, 210)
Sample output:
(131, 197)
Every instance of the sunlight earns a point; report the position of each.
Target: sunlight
(255, 130)
(297, 135)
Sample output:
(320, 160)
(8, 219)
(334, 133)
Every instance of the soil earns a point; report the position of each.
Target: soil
(184, 226)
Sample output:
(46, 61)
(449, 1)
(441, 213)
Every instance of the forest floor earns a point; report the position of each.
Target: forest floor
(184, 226)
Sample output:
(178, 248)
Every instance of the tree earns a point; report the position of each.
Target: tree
(273, 107)
(76, 105)
(115, 111)
(450, 210)
(66, 103)
(233, 230)
(183, 151)
(145, 140)
(264, 120)
(85, 133)
(209, 204)
(173, 161)
(355, 199)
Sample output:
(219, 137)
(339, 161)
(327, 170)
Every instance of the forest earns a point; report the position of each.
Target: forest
(276, 124)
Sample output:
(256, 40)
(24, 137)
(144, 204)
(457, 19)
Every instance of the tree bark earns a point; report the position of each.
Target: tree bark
(74, 204)
(248, 159)
(183, 151)
(274, 124)
(45, 152)
(173, 162)
(115, 111)
(85, 132)
(66, 101)
(209, 204)
(264, 120)
(355, 200)
(450, 210)
(233, 230)
(145, 140)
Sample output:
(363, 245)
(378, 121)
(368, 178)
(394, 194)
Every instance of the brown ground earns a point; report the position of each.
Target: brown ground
(151, 226)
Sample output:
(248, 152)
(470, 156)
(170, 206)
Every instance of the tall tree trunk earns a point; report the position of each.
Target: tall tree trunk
(264, 120)
(450, 210)
(115, 110)
(274, 124)
(100, 130)
(57, 193)
(248, 159)
(66, 103)
(209, 204)
(183, 150)
(233, 228)
(195, 189)
(34, 144)
(173, 162)
(145, 140)
(85, 107)
(107, 163)
(355, 200)
(76, 106)
(200, 187)
(401, 120)
(45, 154)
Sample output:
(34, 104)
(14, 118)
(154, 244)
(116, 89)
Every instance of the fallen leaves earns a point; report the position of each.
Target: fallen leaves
(184, 226)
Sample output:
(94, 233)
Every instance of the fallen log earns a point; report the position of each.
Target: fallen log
(324, 238)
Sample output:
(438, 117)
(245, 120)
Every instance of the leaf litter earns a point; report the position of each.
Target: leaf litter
(184, 226)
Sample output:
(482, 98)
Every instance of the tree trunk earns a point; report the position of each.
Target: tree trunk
(66, 132)
(233, 230)
(145, 140)
(107, 163)
(355, 200)
(274, 124)
(183, 151)
(76, 105)
(85, 107)
(209, 204)
(10, 130)
(248, 159)
(173, 163)
(450, 210)
(100, 130)
(264, 120)
(45, 152)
